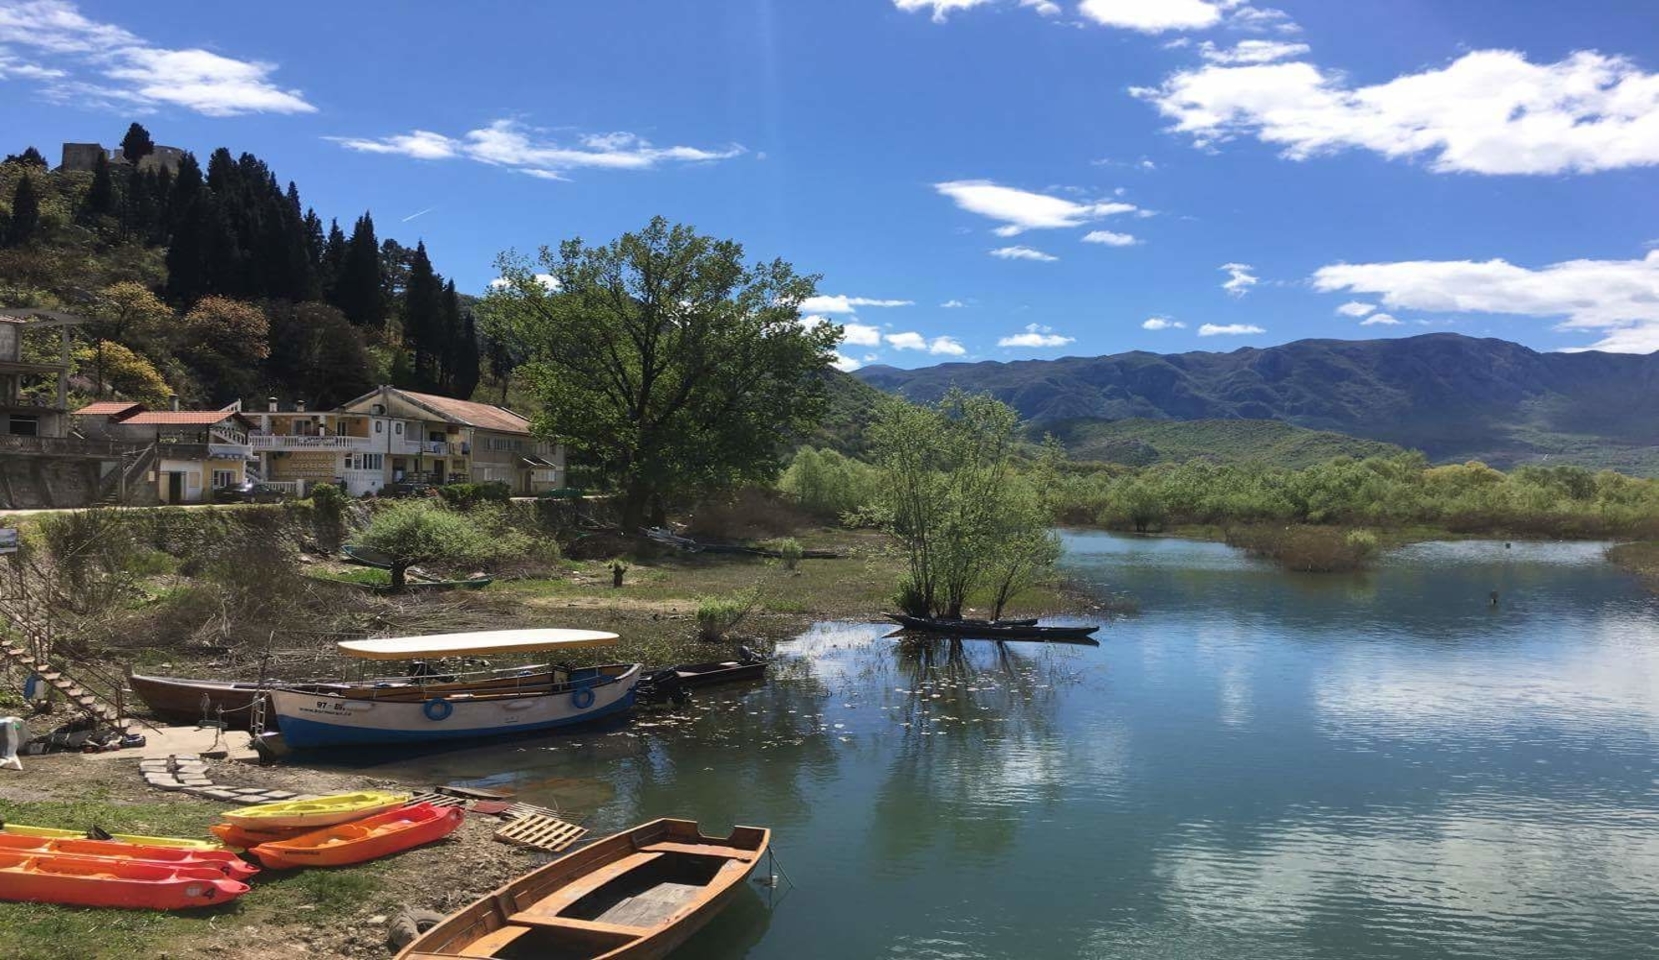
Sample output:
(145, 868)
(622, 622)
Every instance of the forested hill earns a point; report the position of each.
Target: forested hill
(217, 283)
(1451, 396)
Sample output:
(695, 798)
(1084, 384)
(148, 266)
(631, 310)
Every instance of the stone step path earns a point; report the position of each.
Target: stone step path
(187, 773)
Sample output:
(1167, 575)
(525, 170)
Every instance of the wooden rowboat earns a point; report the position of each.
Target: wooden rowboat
(181, 843)
(227, 863)
(101, 882)
(321, 812)
(638, 894)
(987, 630)
(367, 839)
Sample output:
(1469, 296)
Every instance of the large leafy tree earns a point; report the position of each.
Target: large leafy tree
(665, 358)
(317, 354)
(226, 340)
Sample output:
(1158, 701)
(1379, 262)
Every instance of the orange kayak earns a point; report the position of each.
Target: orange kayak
(242, 838)
(226, 863)
(102, 882)
(365, 839)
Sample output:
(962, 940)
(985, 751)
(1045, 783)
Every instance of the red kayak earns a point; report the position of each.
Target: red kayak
(226, 863)
(242, 838)
(101, 882)
(365, 839)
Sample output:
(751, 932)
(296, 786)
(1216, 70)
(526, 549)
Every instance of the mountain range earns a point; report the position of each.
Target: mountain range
(1451, 396)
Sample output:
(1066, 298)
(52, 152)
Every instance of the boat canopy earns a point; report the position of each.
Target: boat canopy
(470, 644)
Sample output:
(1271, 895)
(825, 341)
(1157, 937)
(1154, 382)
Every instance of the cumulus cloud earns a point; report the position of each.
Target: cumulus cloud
(1239, 278)
(1228, 330)
(840, 303)
(941, 8)
(1109, 238)
(1489, 112)
(1023, 253)
(1021, 210)
(511, 144)
(860, 335)
(1252, 51)
(845, 363)
(547, 280)
(1155, 16)
(1162, 323)
(909, 340)
(1044, 8)
(1379, 320)
(946, 346)
(1036, 336)
(1354, 308)
(1619, 298)
(94, 63)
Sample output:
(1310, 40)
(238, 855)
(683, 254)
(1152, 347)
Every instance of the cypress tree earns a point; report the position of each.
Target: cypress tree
(187, 185)
(137, 145)
(334, 260)
(187, 253)
(423, 320)
(357, 287)
(100, 199)
(462, 355)
(25, 218)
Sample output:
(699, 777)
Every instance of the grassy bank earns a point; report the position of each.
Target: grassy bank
(1641, 559)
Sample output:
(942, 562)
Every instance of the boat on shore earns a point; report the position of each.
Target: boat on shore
(670, 682)
(359, 840)
(176, 843)
(224, 861)
(309, 718)
(635, 895)
(996, 630)
(103, 882)
(312, 814)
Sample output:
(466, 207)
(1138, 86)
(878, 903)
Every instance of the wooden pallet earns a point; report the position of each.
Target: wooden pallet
(437, 800)
(543, 833)
(518, 810)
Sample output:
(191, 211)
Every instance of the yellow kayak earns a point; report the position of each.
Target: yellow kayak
(321, 812)
(53, 833)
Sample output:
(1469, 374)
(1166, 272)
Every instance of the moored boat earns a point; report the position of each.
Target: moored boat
(309, 718)
(321, 812)
(637, 894)
(225, 862)
(181, 843)
(102, 882)
(367, 839)
(996, 630)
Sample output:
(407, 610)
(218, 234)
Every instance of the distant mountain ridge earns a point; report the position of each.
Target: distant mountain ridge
(1451, 396)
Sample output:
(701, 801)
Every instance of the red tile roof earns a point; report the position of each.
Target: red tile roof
(485, 415)
(183, 417)
(109, 408)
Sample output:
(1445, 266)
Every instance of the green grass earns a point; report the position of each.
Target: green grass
(362, 576)
(1142, 442)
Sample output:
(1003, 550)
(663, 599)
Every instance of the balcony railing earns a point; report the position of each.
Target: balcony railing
(261, 441)
(63, 447)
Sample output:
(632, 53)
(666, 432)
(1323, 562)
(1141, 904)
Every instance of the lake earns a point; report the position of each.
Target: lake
(1257, 765)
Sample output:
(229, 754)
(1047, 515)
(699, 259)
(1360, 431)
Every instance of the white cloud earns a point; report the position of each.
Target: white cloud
(1036, 336)
(102, 64)
(1023, 253)
(840, 303)
(1489, 111)
(1379, 320)
(1252, 51)
(1618, 297)
(941, 8)
(1239, 278)
(952, 304)
(1022, 210)
(511, 144)
(1044, 8)
(1354, 308)
(1228, 330)
(551, 283)
(1109, 238)
(1154, 16)
(1162, 323)
(845, 363)
(860, 335)
(909, 340)
(946, 346)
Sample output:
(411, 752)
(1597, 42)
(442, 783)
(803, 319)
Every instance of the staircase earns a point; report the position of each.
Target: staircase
(74, 692)
(127, 477)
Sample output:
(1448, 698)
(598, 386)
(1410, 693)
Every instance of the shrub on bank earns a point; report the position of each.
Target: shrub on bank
(468, 495)
(719, 615)
(1309, 549)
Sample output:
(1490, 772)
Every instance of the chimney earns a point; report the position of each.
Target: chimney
(271, 404)
(175, 401)
(299, 406)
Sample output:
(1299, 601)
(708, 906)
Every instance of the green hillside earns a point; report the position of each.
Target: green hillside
(1141, 442)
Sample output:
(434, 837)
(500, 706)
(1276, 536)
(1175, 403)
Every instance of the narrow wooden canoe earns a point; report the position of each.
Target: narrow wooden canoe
(243, 838)
(181, 843)
(638, 894)
(321, 812)
(103, 882)
(367, 839)
(985, 630)
(227, 863)
(366, 556)
(726, 671)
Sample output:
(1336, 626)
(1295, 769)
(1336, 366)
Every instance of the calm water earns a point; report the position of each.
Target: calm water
(1259, 765)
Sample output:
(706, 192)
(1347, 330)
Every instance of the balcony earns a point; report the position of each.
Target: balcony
(432, 448)
(261, 441)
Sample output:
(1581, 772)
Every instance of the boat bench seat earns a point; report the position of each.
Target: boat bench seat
(700, 849)
(548, 908)
(571, 923)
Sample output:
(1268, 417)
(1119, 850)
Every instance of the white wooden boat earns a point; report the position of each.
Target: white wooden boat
(314, 718)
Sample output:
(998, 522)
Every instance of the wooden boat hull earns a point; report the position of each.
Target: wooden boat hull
(635, 895)
(102, 882)
(976, 630)
(317, 720)
(321, 812)
(361, 840)
(179, 843)
(223, 861)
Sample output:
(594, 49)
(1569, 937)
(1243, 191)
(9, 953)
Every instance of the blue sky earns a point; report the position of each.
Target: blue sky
(1080, 176)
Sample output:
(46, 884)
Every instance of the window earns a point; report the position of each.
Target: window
(22, 426)
(378, 426)
(398, 428)
(366, 461)
(223, 478)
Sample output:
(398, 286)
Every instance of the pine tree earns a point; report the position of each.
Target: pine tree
(462, 354)
(137, 145)
(100, 199)
(25, 218)
(357, 287)
(187, 252)
(187, 185)
(334, 260)
(423, 320)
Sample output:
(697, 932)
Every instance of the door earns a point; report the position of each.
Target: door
(175, 486)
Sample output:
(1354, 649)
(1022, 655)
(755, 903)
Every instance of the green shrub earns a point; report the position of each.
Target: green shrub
(788, 550)
(719, 615)
(830, 485)
(328, 515)
(1310, 549)
(468, 495)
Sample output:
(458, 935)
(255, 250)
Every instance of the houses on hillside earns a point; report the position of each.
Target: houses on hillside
(195, 451)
